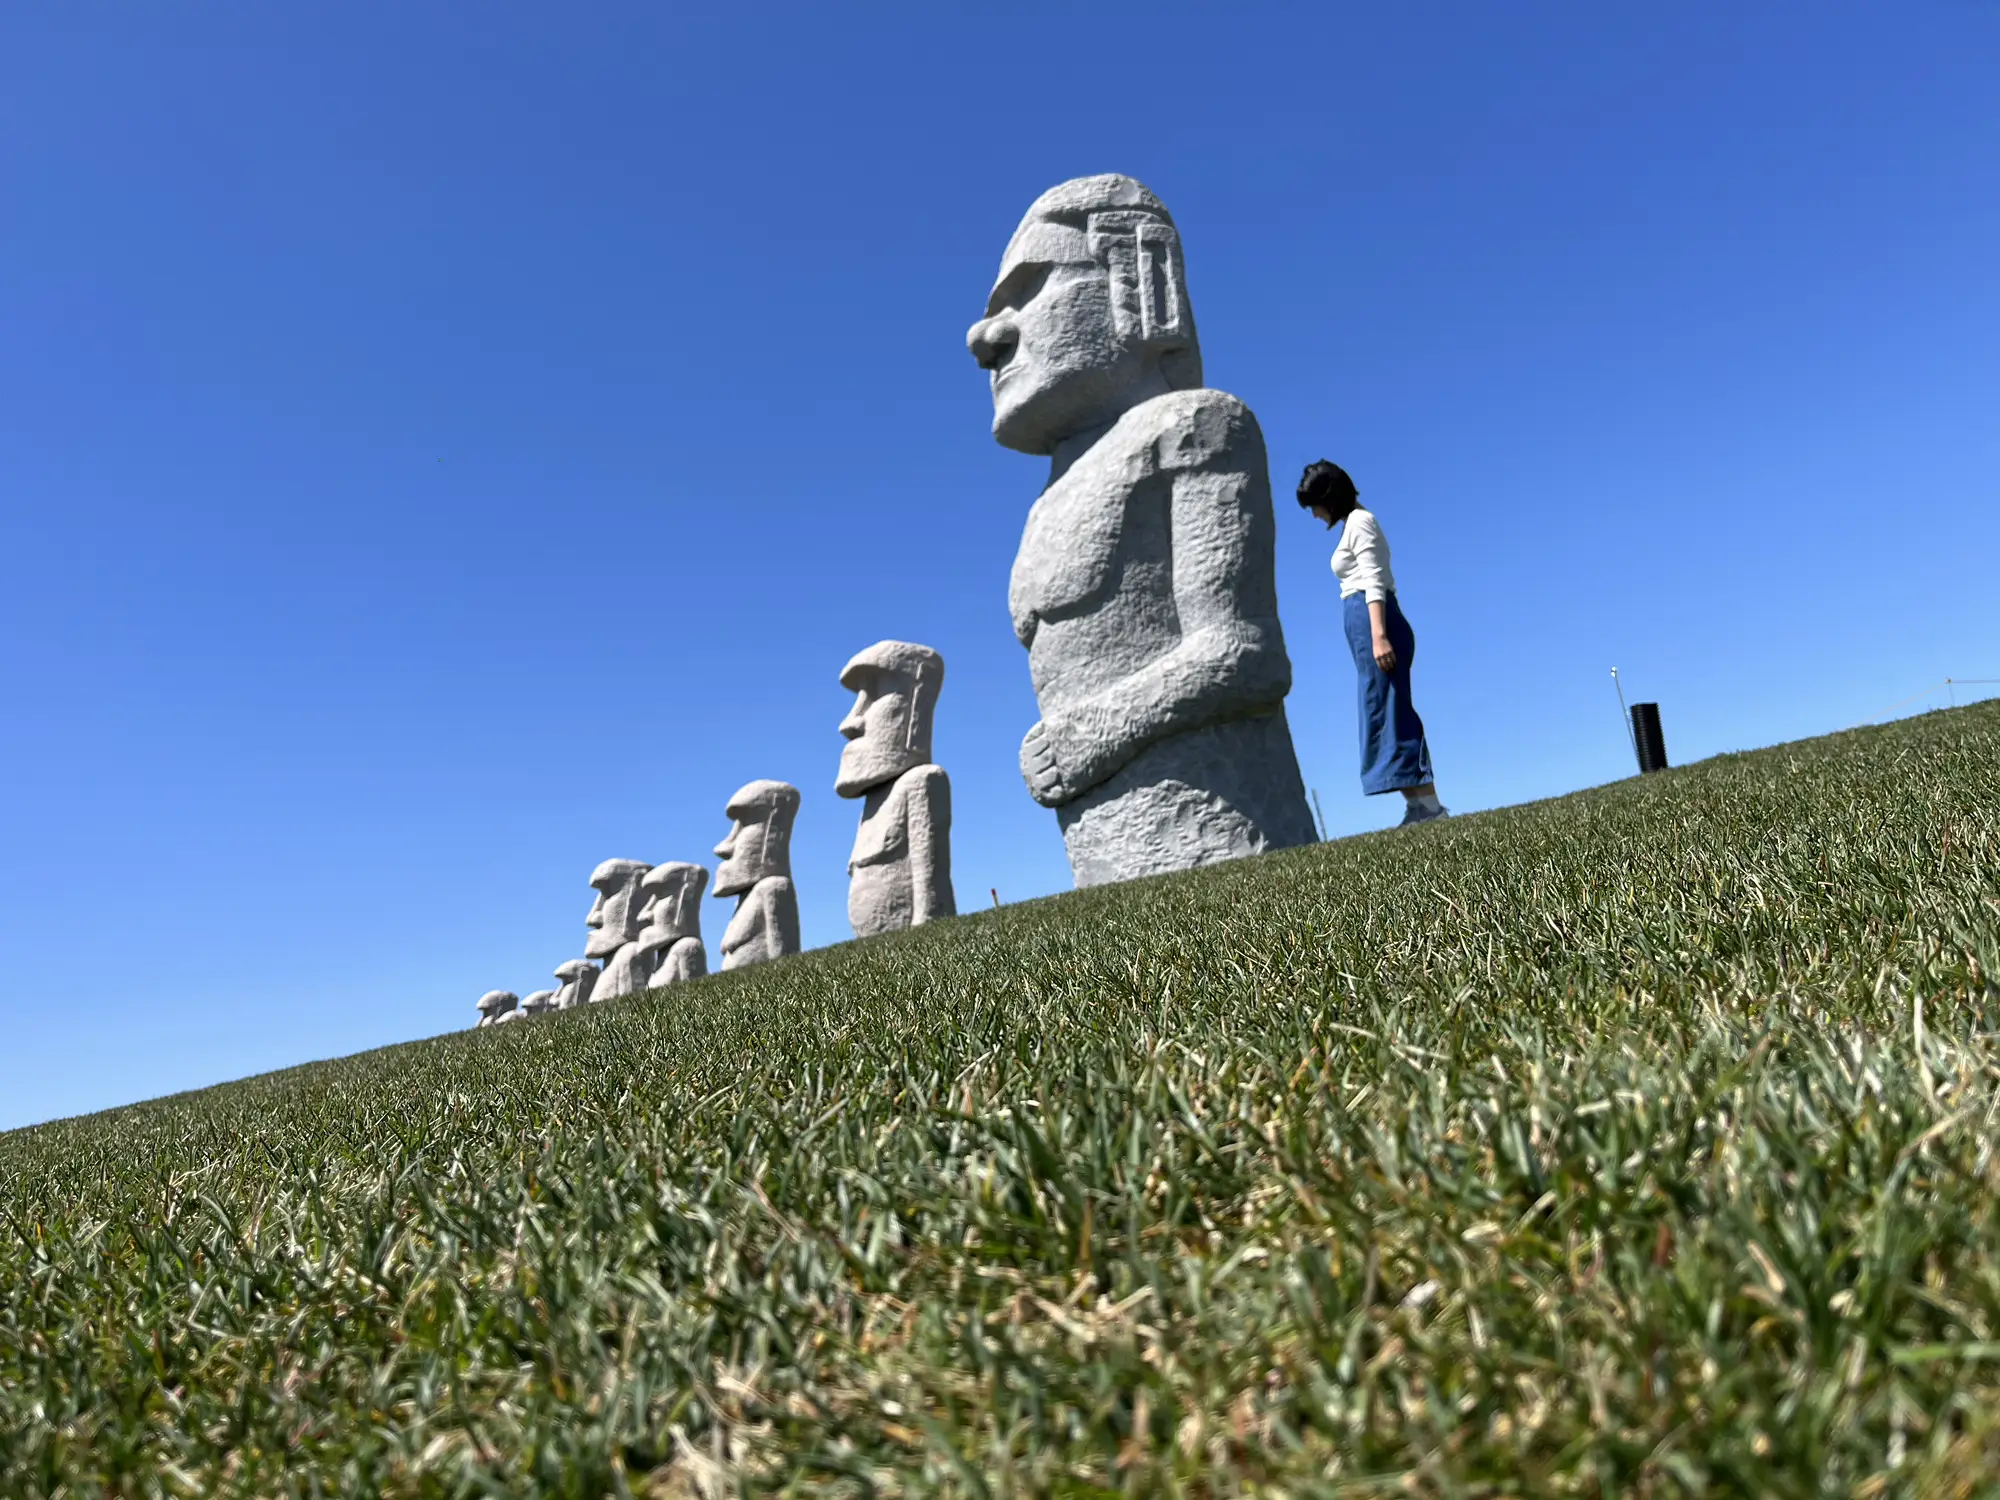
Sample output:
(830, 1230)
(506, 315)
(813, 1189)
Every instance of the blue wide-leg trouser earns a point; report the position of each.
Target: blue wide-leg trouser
(1394, 755)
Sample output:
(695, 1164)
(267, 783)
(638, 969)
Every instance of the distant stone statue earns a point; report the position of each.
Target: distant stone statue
(900, 872)
(614, 929)
(1144, 587)
(671, 909)
(757, 868)
(534, 1004)
(497, 1003)
(579, 977)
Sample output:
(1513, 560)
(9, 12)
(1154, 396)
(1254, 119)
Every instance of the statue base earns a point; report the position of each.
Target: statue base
(1215, 793)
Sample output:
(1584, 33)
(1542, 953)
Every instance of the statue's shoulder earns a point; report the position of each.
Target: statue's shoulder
(924, 783)
(927, 781)
(1200, 429)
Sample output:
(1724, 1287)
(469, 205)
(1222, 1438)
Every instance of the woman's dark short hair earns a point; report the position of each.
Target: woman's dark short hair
(1326, 483)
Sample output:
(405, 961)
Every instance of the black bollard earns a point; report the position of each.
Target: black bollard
(1646, 737)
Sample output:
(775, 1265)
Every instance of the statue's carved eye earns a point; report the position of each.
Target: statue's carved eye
(1018, 287)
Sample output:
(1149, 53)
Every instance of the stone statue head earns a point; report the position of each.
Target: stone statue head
(760, 840)
(495, 1003)
(1089, 315)
(614, 915)
(579, 977)
(888, 730)
(538, 1002)
(670, 896)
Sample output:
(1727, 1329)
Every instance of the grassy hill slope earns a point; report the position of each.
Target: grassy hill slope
(1639, 1142)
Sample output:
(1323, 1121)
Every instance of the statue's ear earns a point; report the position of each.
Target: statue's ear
(1162, 285)
(916, 707)
(1148, 277)
(773, 835)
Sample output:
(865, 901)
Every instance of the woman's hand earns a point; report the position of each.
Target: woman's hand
(1378, 626)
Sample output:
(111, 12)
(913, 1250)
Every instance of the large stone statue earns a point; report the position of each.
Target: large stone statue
(535, 1004)
(614, 929)
(579, 977)
(496, 1005)
(1144, 586)
(757, 867)
(900, 872)
(671, 937)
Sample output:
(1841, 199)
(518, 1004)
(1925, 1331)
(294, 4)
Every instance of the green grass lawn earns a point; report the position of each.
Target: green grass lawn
(1635, 1143)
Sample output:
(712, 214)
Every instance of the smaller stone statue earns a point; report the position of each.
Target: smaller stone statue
(900, 872)
(495, 1005)
(533, 1005)
(671, 911)
(614, 930)
(579, 977)
(757, 868)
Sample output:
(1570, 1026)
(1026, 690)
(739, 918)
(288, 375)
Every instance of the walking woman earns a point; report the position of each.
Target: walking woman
(1394, 756)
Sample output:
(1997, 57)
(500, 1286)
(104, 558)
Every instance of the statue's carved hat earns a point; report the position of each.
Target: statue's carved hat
(664, 877)
(1071, 205)
(902, 657)
(762, 801)
(615, 872)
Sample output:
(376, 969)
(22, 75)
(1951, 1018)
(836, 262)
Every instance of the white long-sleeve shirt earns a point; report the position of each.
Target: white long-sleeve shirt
(1361, 559)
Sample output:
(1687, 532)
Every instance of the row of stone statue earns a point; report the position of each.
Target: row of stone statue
(645, 924)
(1144, 589)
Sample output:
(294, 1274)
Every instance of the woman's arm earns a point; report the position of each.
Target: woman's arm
(1378, 625)
(1362, 536)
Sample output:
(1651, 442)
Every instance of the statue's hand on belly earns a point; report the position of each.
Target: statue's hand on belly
(1041, 770)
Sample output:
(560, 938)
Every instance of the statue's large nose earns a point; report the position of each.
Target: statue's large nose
(992, 340)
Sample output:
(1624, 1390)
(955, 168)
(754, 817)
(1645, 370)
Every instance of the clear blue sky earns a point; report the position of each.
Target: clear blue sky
(444, 447)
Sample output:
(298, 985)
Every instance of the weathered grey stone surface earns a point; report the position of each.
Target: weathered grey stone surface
(579, 978)
(899, 874)
(1144, 588)
(536, 1003)
(757, 868)
(496, 1003)
(626, 972)
(671, 937)
(614, 929)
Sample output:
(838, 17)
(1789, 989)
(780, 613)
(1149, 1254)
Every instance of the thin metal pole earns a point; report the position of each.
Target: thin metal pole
(1320, 813)
(1625, 718)
(1953, 683)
